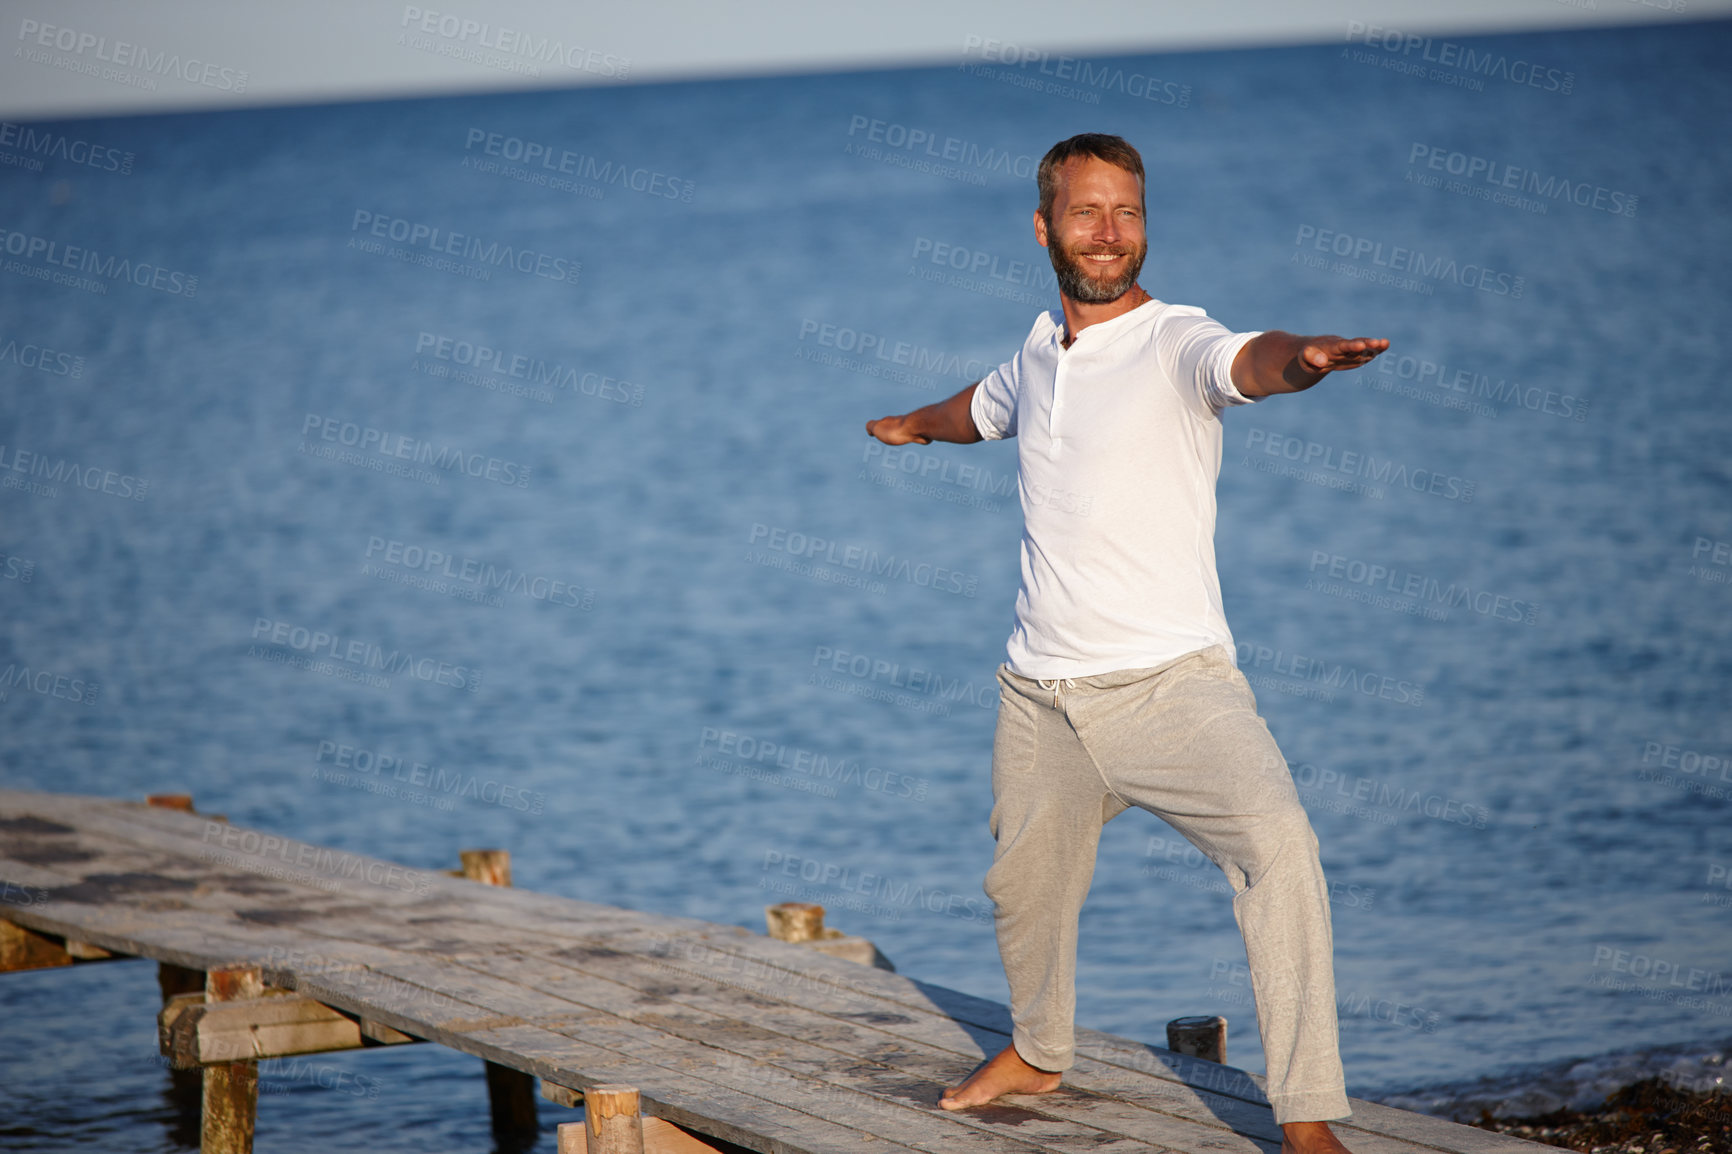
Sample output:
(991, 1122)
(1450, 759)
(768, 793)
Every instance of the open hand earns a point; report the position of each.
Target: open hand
(895, 431)
(1332, 354)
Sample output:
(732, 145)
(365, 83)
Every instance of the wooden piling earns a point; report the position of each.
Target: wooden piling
(802, 923)
(659, 1135)
(490, 867)
(231, 1089)
(614, 1118)
(173, 979)
(511, 1101)
(1203, 1036)
(181, 802)
(795, 921)
(186, 1087)
(510, 1093)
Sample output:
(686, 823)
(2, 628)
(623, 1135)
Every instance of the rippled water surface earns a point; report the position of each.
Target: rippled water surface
(1525, 833)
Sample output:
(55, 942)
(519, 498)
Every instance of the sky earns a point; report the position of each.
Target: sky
(106, 57)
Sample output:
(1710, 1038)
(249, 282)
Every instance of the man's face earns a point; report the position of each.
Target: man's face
(1096, 240)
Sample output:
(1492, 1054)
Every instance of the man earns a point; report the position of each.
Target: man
(1121, 687)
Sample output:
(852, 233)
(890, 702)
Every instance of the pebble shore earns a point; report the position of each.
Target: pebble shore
(1646, 1117)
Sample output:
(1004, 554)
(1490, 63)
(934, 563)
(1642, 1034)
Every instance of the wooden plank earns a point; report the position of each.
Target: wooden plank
(512, 1003)
(281, 1025)
(192, 941)
(203, 956)
(694, 1101)
(659, 1137)
(888, 1114)
(198, 838)
(847, 1056)
(129, 921)
(292, 904)
(382, 1034)
(1022, 1123)
(22, 948)
(23, 885)
(1168, 1096)
(686, 1097)
(124, 929)
(747, 997)
(1131, 1057)
(847, 1046)
(172, 1009)
(199, 843)
(362, 986)
(445, 978)
(181, 834)
(1121, 1060)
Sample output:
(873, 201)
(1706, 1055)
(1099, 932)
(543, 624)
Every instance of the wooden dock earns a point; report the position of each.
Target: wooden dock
(733, 1036)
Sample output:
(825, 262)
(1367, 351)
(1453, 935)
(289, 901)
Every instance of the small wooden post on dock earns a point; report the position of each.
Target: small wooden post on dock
(510, 1093)
(1203, 1036)
(612, 1123)
(795, 921)
(490, 867)
(802, 923)
(231, 1089)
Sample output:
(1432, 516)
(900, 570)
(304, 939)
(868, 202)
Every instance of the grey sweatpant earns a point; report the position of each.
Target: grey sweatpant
(1184, 742)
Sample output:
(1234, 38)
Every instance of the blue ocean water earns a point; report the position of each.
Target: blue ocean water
(490, 471)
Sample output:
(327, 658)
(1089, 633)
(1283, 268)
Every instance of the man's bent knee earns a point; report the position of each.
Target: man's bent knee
(1273, 841)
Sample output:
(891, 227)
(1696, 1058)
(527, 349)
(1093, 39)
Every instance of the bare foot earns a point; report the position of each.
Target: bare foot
(1310, 1138)
(1005, 1074)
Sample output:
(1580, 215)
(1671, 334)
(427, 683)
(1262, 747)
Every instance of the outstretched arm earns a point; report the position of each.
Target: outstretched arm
(944, 421)
(1278, 362)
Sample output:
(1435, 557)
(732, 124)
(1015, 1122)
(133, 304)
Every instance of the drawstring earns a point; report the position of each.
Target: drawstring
(1051, 686)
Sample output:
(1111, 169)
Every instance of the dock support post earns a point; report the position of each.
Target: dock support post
(490, 867)
(510, 1093)
(231, 1089)
(173, 979)
(186, 1087)
(795, 921)
(613, 1119)
(1203, 1036)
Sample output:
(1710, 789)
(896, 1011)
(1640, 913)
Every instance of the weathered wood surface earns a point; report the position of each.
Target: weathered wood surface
(277, 1024)
(230, 1107)
(769, 1045)
(659, 1137)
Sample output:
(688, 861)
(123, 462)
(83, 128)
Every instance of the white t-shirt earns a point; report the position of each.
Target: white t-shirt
(1118, 449)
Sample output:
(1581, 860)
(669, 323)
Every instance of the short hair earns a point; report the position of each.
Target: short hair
(1115, 150)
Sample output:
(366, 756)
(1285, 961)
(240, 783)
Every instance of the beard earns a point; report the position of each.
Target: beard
(1078, 279)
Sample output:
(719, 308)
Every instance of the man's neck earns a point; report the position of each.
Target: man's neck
(1079, 315)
